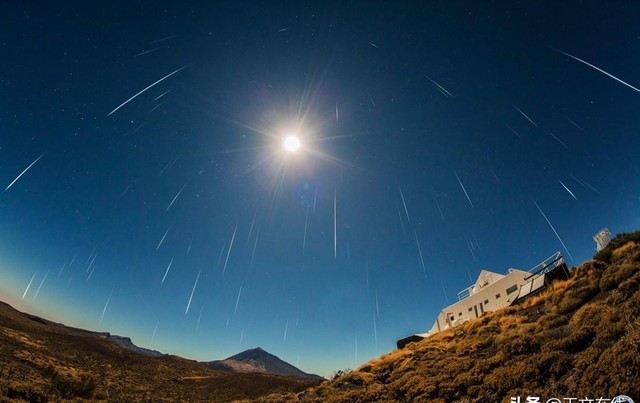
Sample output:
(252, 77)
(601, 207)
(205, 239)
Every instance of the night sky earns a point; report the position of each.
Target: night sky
(155, 199)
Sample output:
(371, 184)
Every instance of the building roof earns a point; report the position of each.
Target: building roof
(487, 277)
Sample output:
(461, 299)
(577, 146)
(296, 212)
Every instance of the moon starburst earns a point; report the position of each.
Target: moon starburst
(292, 143)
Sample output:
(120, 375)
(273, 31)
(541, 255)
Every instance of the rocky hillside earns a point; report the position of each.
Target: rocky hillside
(44, 361)
(580, 338)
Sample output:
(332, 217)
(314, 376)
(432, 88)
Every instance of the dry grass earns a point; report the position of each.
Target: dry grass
(626, 248)
(541, 298)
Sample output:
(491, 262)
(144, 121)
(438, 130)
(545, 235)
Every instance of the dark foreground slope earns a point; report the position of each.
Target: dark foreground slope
(44, 361)
(579, 339)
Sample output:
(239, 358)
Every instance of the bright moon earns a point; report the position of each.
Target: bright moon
(291, 143)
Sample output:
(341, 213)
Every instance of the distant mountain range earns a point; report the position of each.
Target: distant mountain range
(257, 360)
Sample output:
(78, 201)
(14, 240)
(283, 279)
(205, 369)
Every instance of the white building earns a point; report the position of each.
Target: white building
(493, 291)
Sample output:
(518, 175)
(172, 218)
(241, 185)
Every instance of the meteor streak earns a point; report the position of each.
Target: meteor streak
(574, 123)
(424, 270)
(401, 222)
(552, 227)
(63, 267)
(238, 300)
(40, 286)
(514, 131)
(224, 269)
(375, 331)
(105, 307)
(170, 163)
(598, 69)
(166, 272)
(130, 99)
(286, 327)
(164, 39)
(92, 261)
(189, 247)
(567, 189)
(441, 88)
(404, 203)
(463, 189)
(192, 291)
(304, 236)
(157, 106)
(125, 191)
(155, 329)
(163, 237)
(144, 52)
(255, 245)
(23, 172)
(558, 140)
(199, 317)
(174, 199)
(584, 184)
(251, 228)
(161, 95)
(525, 115)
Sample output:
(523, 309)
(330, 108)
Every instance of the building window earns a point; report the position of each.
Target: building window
(497, 296)
(452, 319)
(486, 301)
(459, 313)
(512, 289)
(470, 309)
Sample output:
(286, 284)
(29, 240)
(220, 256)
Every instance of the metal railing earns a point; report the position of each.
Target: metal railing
(465, 293)
(546, 265)
(543, 267)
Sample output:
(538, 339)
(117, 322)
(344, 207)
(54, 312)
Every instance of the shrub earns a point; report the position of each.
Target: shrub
(624, 249)
(587, 358)
(365, 368)
(623, 360)
(507, 378)
(519, 345)
(627, 290)
(487, 365)
(578, 294)
(568, 304)
(70, 388)
(485, 341)
(23, 392)
(553, 320)
(341, 372)
(573, 343)
(616, 274)
(554, 363)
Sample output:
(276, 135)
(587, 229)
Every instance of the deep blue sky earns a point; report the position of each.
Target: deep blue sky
(83, 226)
